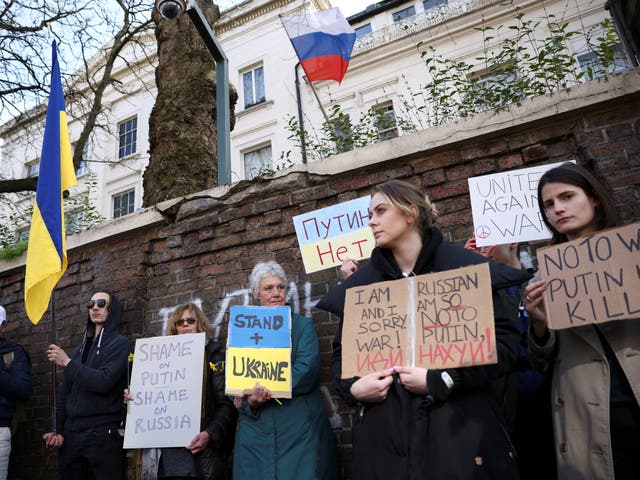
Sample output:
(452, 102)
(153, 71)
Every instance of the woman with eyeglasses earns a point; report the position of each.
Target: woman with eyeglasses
(596, 367)
(207, 456)
(285, 438)
(410, 422)
(89, 408)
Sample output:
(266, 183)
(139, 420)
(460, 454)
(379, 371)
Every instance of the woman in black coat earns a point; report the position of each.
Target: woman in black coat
(413, 423)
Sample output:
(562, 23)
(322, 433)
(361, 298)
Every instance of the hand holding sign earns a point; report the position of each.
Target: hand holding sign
(374, 387)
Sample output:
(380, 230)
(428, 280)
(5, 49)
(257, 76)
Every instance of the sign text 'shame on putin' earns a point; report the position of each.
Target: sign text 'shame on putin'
(259, 350)
(505, 206)
(328, 236)
(593, 279)
(438, 320)
(166, 385)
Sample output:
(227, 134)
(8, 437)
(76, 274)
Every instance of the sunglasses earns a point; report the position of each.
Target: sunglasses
(183, 321)
(101, 303)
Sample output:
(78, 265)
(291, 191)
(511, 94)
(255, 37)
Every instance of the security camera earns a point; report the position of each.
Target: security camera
(170, 9)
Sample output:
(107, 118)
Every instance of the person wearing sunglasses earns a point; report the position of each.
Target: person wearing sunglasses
(207, 456)
(89, 406)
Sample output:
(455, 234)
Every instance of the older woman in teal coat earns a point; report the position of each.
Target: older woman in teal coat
(285, 438)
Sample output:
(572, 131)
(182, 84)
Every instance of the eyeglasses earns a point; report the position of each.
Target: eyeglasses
(101, 303)
(181, 322)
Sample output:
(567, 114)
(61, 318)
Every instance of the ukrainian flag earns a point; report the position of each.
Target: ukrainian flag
(47, 252)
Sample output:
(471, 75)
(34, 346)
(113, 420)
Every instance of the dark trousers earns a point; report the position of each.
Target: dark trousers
(92, 453)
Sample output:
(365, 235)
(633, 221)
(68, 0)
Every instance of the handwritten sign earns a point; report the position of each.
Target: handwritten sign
(437, 320)
(592, 279)
(259, 350)
(505, 206)
(166, 384)
(327, 237)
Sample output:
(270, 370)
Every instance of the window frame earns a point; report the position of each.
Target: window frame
(255, 87)
(127, 138)
(131, 203)
(254, 150)
(359, 32)
(403, 14)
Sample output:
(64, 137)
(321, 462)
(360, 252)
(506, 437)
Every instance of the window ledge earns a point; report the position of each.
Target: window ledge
(253, 108)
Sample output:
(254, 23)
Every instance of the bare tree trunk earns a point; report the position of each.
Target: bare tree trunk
(182, 126)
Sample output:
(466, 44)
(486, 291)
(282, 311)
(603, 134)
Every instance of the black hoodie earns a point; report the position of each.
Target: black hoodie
(449, 433)
(91, 394)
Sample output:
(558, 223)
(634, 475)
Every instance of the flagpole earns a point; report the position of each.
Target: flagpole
(303, 140)
(54, 368)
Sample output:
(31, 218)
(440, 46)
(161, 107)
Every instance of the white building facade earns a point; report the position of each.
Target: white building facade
(387, 72)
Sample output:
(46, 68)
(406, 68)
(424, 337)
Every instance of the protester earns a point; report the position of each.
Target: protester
(525, 393)
(596, 368)
(207, 455)
(410, 422)
(90, 409)
(15, 386)
(287, 438)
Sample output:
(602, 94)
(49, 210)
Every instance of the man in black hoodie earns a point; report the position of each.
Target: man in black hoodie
(90, 399)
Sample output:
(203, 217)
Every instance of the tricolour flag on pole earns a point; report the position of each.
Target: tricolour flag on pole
(323, 42)
(47, 252)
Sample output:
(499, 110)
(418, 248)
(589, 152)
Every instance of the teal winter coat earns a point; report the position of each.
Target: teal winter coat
(292, 440)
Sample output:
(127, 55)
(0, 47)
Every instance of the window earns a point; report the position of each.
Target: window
(256, 161)
(123, 203)
(127, 132)
(385, 121)
(253, 87)
(33, 168)
(363, 30)
(491, 85)
(592, 67)
(84, 167)
(402, 14)
(427, 4)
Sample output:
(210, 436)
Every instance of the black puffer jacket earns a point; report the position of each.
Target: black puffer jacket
(447, 434)
(91, 394)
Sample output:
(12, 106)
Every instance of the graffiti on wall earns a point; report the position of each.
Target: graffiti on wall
(243, 296)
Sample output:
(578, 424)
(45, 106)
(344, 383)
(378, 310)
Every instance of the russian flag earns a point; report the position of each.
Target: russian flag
(323, 41)
(47, 251)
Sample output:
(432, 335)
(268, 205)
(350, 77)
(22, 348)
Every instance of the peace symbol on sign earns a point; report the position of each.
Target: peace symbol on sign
(483, 231)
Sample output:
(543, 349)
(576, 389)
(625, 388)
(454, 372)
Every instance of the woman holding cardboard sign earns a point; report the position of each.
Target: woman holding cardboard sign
(285, 438)
(207, 456)
(413, 423)
(596, 367)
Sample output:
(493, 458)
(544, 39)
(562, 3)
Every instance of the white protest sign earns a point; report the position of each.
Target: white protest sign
(505, 206)
(166, 384)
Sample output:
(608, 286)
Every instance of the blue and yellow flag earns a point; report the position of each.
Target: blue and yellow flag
(47, 252)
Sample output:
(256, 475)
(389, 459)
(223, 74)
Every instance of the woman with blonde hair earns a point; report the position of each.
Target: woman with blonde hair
(413, 423)
(207, 456)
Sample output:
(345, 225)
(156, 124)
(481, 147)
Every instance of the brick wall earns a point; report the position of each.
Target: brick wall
(205, 247)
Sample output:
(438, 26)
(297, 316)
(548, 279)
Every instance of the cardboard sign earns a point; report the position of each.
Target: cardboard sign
(259, 350)
(438, 320)
(505, 206)
(166, 383)
(592, 279)
(327, 237)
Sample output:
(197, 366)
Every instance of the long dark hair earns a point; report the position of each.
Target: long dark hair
(573, 174)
